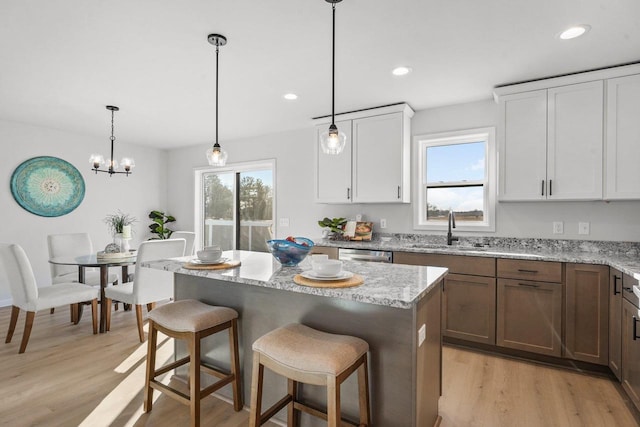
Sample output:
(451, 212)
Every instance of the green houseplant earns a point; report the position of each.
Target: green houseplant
(158, 227)
(116, 222)
(334, 225)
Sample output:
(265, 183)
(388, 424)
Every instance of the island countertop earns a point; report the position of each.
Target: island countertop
(391, 285)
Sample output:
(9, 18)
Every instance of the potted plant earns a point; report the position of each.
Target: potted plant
(116, 222)
(333, 227)
(158, 226)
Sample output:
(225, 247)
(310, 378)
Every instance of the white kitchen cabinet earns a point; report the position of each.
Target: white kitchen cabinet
(374, 166)
(550, 143)
(333, 178)
(622, 176)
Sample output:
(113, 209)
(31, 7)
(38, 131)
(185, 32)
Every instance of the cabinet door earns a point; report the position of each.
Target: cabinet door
(522, 146)
(631, 351)
(529, 316)
(380, 159)
(333, 171)
(325, 250)
(622, 147)
(587, 313)
(615, 322)
(574, 142)
(469, 308)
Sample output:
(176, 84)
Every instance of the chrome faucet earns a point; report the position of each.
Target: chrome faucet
(452, 224)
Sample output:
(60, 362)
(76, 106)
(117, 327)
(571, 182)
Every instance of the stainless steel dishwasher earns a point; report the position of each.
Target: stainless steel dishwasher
(365, 255)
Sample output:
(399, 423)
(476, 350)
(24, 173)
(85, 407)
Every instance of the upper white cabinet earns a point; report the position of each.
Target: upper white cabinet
(550, 143)
(623, 138)
(374, 166)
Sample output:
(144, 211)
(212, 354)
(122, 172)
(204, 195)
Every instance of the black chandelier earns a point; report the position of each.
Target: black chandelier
(97, 160)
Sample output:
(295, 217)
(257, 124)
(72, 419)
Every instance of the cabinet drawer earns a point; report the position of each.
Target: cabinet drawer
(458, 264)
(541, 271)
(628, 282)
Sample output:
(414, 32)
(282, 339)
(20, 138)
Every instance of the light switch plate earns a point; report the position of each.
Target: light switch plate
(283, 222)
(583, 228)
(422, 334)
(558, 227)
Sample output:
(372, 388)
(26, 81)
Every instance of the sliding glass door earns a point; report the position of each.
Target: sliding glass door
(237, 206)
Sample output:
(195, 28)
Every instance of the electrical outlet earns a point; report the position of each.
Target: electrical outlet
(583, 228)
(558, 227)
(359, 217)
(383, 223)
(283, 222)
(422, 334)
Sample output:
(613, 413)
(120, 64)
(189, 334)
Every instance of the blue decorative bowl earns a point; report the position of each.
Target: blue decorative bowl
(290, 253)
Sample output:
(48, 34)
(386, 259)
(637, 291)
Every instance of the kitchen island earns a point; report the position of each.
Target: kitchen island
(396, 310)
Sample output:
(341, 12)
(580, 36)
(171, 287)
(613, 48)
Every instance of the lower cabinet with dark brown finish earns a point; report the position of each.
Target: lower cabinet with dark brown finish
(529, 316)
(631, 351)
(615, 322)
(469, 294)
(587, 313)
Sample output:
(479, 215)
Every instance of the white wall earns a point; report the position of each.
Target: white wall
(293, 151)
(137, 194)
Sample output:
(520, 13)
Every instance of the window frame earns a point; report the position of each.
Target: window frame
(199, 173)
(421, 143)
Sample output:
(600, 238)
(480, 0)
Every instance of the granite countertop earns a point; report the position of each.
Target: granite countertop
(392, 285)
(624, 256)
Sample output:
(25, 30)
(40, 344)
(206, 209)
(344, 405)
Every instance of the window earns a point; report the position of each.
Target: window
(235, 206)
(456, 172)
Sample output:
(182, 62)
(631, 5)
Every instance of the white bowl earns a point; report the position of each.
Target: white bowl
(327, 268)
(209, 254)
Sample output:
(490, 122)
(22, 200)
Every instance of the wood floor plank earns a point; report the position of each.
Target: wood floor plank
(70, 377)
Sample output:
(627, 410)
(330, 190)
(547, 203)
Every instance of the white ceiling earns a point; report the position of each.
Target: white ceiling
(63, 61)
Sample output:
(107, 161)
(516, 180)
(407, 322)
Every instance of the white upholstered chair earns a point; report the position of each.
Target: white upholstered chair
(189, 237)
(149, 286)
(72, 245)
(28, 297)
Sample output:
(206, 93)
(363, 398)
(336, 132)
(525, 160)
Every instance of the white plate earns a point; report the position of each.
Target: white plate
(201, 262)
(310, 274)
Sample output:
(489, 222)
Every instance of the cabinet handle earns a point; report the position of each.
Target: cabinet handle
(529, 285)
(348, 193)
(615, 284)
(551, 187)
(635, 328)
(542, 191)
(398, 191)
(520, 270)
(629, 289)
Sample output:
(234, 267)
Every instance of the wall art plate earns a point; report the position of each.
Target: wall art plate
(47, 186)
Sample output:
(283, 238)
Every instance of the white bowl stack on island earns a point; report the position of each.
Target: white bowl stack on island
(210, 255)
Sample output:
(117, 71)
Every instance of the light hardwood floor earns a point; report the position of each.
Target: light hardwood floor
(69, 377)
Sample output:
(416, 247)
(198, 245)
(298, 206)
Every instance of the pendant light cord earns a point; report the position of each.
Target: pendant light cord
(333, 68)
(217, 48)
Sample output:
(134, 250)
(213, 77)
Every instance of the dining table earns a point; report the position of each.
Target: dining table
(103, 263)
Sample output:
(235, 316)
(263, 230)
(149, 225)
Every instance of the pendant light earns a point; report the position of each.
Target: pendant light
(97, 160)
(216, 155)
(333, 141)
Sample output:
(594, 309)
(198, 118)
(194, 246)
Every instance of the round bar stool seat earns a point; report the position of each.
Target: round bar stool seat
(306, 355)
(192, 320)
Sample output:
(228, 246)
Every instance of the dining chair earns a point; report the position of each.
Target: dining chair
(72, 245)
(189, 237)
(149, 285)
(29, 297)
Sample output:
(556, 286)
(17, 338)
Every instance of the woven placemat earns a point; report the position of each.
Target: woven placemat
(355, 280)
(222, 266)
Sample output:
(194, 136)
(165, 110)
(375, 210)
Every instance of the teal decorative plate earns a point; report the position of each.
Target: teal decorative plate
(47, 186)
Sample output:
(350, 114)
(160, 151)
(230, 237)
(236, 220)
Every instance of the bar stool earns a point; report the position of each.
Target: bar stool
(192, 320)
(305, 355)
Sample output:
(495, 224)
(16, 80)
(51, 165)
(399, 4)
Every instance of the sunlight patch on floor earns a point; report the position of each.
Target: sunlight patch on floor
(122, 395)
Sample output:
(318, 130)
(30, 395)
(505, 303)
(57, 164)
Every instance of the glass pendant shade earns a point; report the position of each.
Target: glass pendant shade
(216, 155)
(96, 160)
(127, 163)
(332, 141)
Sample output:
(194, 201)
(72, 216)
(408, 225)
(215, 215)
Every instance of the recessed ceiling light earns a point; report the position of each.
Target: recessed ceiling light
(401, 71)
(573, 32)
(290, 96)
